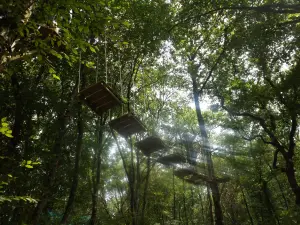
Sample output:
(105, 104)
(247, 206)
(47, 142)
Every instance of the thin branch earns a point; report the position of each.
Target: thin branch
(256, 136)
(268, 8)
(216, 63)
(275, 159)
(292, 143)
(262, 123)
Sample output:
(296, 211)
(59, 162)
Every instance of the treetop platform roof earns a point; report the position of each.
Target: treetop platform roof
(150, 144)
(100, 97)
(127, 125)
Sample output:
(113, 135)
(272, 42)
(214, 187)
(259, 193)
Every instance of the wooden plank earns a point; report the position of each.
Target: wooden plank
(130, 129)
(99, 97)
(127, 125)
(150, 144)
(96, 95)
(172, 159)
(91, 89)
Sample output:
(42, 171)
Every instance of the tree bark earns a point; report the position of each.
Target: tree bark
(52, 168)
(76, 166)
(145, 191)
(184, 204)
(247, 207)
(210, 207)
(174, 195)
(96, 182)
(213, 185)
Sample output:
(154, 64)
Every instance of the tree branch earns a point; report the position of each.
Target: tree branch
(275, 159)
(216, 63)
(268, 8)
(261, 121)
(292, 143)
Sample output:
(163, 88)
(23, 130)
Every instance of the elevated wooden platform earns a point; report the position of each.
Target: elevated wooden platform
(127, 125)
(150, 144)
(168, 160)
(192, 176)
(100, 97)
(185, 173)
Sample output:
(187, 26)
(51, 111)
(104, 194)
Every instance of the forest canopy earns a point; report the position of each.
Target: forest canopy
(149, 112)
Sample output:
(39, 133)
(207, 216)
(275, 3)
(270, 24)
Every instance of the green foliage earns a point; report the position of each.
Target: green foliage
(4, 128)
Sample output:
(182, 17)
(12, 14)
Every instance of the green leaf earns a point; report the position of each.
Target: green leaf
(5, 124)
(3, 119)
(55, 77)
(56, 54)
(92, 49)
(9, 175)
(8, 135)
(29, 162)
(3, 129)
(126, 24)
(28, 166)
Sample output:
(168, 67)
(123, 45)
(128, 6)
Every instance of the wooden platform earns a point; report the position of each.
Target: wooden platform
(192, 176)
(99, 97)
(168, 160)
(150, 144)
(185, 173)
(127, 125)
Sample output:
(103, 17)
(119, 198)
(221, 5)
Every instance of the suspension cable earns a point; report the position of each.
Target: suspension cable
(97, 66)
(105, 53)
(79, 72)
(120, 77)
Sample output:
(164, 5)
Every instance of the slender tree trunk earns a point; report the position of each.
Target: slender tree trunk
(18, 120)
(76, 166)
(269, 204)
(290, 173)
(247, 207)
(202, 210)
(210, 207)
(192, 206)
(132, 185)
(52, 168)
(174, 195)
(145, 191)
(96, 182)
(280, 188)
(184, 204)
(213, 185)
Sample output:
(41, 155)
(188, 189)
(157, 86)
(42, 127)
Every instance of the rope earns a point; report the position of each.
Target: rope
(133, 96)
(120, 77)
(97, 66)
(105, 54)
(79, 72)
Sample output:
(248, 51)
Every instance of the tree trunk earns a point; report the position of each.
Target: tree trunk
(202, 210)
(210, 207)
(213, 185)
(269, 204)
(52, 168)
(290, 173)
(145, 191)
(96, 182)
(174, 195)
(76, 166)
(184, 205)
(247, 207)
